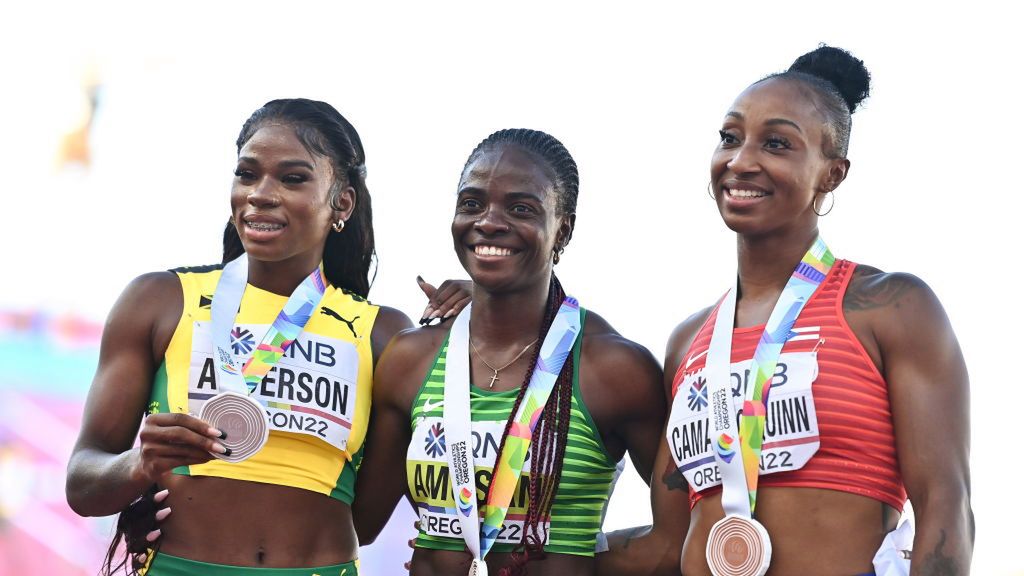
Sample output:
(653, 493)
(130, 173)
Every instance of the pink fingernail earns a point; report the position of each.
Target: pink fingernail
(161, 496)
(162, 513)
(449, 313)
(219, 448)
(152, 536)
(211, 431)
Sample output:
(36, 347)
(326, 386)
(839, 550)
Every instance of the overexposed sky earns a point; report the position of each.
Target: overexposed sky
(636, 92)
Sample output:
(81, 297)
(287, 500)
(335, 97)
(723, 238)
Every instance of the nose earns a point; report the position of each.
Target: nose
(744, 159)
(263, 193)
(491, 221)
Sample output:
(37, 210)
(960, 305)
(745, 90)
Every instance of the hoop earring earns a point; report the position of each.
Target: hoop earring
(710, 192)
(830, 206)
(557, 254)
(339, 225)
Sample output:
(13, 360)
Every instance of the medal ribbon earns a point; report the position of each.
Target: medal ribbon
(740, 473)
(554, 351)
(279, 336)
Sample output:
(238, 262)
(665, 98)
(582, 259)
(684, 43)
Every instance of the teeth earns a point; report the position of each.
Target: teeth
(492, 251)
(746, 193)
(264, 226)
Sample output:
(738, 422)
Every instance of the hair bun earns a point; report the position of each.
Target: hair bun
(842, 69)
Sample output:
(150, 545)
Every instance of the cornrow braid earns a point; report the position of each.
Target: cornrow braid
(562, 168)
(547, 446)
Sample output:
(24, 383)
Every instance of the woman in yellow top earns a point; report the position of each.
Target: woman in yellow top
(300, 228)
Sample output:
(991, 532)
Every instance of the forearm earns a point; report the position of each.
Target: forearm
(944, 541)
(638, 551)
(101, 484)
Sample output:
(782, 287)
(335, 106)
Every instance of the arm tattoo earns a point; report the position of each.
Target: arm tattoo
(938, 564)
(867, 292)
(674, 479)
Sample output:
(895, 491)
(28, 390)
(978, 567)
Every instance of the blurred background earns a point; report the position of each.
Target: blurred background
(118, 150)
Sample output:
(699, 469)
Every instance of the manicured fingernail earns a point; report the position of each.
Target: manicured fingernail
(429, 312)
(152, 536)
(412, 543)
(423, 321)
(435, 314)
(449, 314)
(161, 495)
(140, 558)
(419, 278)
(227, 451)
(220, 449)
(162, 513)
(211, 431)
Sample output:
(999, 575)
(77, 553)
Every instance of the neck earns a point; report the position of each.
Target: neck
(281, 277)
(498, 319)
(765, 263)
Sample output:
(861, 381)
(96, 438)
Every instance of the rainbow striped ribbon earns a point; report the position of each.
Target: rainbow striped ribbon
(809, 274)
(285, 329)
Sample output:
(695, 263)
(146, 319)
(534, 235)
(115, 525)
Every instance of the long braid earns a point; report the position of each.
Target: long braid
(547, 448)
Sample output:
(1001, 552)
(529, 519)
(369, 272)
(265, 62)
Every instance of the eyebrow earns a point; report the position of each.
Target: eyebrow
(511, 195)
(771, 122)
(284, 164)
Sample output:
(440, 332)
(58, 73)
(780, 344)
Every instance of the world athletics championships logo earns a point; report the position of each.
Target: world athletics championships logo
(464, 502)
(435, 441)
(698, 397)
(241, 341)
(724, 448)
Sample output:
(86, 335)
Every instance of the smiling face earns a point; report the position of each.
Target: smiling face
(280, 197)
(769, 168)
(506, 224)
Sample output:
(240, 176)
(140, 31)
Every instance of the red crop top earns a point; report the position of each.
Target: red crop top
(857, 452)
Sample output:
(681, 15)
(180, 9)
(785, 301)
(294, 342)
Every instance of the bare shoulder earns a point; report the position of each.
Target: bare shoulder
(405, 362)
(390, 321)
(150, 305)
(679, 343)
(605, 348)
(873, 289)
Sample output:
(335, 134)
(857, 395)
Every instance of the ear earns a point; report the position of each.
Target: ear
(343, 202)
(565, 228)
(837, 171)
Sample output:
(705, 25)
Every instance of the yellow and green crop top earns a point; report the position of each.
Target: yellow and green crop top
(579, 503)
(317, 396)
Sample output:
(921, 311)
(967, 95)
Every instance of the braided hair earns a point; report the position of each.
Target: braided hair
(549, 438)
(839, 82)
(323, 131)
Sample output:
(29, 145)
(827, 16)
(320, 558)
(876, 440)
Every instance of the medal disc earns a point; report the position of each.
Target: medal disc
(242, 418)
(738, 546)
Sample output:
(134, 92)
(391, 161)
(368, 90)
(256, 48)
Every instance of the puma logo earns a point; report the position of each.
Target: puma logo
(350, 323)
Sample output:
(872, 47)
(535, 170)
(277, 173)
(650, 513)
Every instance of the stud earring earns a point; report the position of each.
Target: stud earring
(339, 225)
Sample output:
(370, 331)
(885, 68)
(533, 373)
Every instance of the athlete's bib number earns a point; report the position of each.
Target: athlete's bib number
(790, 430)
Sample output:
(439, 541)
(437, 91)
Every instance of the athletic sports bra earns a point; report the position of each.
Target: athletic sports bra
(857, 452)
(583, 491)
(320, 386)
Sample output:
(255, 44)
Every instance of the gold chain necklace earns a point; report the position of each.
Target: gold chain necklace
(496, 370)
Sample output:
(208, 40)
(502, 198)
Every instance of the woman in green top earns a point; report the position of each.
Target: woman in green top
(515, 213)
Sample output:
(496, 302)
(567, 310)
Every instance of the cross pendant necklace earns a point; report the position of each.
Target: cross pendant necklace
(495, 378)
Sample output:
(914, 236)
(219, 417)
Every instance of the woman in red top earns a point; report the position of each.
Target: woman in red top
(888, 417)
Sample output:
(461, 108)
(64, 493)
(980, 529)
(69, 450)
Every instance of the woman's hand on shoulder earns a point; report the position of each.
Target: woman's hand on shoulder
(446, 300)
